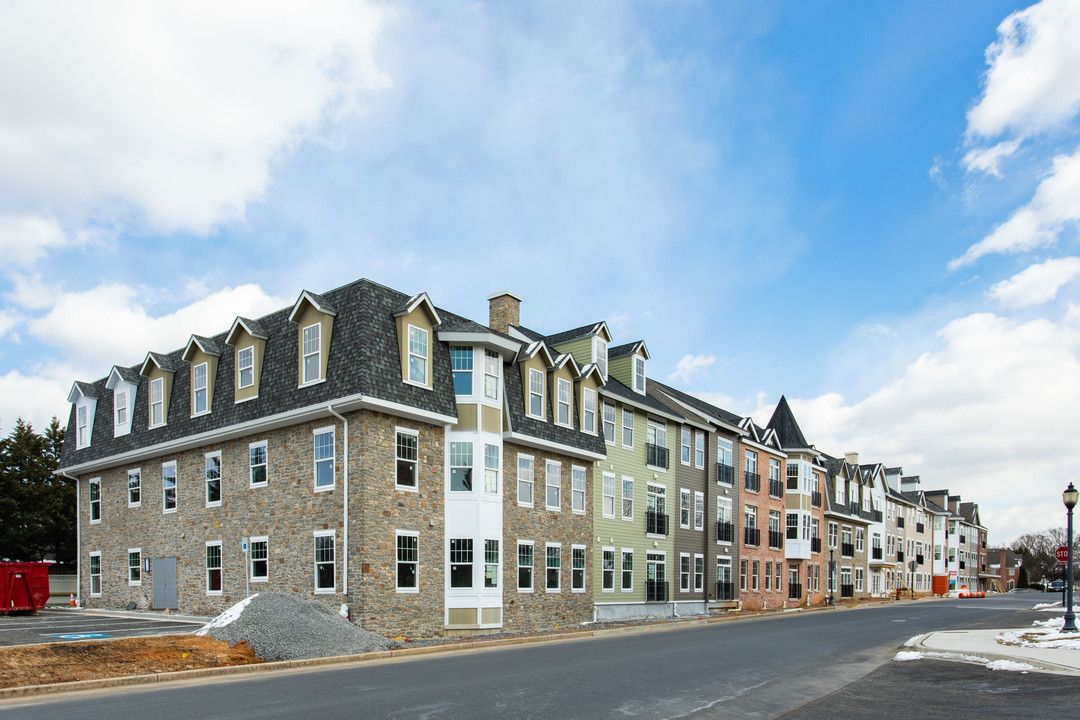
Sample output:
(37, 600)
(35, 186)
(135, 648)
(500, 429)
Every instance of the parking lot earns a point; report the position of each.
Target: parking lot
(53, 625)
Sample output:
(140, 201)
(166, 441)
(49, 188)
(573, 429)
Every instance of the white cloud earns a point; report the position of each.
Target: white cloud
(8, 321)
(1033, 80)
(1055, 205)
(169, 113)
(988, 159)
(1037, 284)
(691, 366)
(26, 238)
(109, 325)
(984, 414)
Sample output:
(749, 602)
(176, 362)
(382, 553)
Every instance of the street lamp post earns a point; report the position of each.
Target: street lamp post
(1070, 496)
(832, 576)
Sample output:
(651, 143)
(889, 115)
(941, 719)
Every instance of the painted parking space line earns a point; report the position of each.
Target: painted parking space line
(180, 630)
(80, 636)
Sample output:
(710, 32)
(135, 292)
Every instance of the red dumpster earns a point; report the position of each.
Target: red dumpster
(24, 587)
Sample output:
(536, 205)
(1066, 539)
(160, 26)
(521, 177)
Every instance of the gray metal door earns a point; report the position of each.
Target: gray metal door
(163, 577)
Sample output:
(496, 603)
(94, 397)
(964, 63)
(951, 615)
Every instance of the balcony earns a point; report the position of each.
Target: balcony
(878, 517)
(875, 553)
(655, 591)
(793, 533)
(725, 532)
(725, 591)
(899, 522)
(751, 481)
(815, 544)
(751, 536)
(815, 499)
(920, 527)
(656, 456)
(776, 488)
(853, 508)
(847, 549)
(656, 523)
(725, 474)
(899, 556)
(919, 559)
(963, 564)
(847, 591)
(776, 539)
(794, 591)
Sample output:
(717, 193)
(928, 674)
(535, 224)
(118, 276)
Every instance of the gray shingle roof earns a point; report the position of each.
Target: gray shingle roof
(787, 429)
(626, 349)
(545, 429)
(698, 404)
(531, 334)
(614, 387)
(575, 334)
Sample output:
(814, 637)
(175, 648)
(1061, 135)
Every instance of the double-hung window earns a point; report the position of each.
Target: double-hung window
(95, 500)
(600, 354)
(134, 566)
(461, 563)
(684, 446)
(418, 355)
(608, 508)
(257, 464)
(134, 488)
(536, 393)
(245, 367)
(213, 478)
(577, 568)
(407, 456)
(199, 389)
(607, 570)
(157, 402)
(491, 469)
(699, 573)
(213, 567)
(408, 560)
(627, 428)
(324, 458)
(639, 374)
(325, 562)
(461, 460)
(577, 489)
(609, 423)
(553, 474)
(311, 353)
(461, 363)
(627, 570)
(699, 449)
(260, 559)
(699, 511)
(684, 509)
(564, 390)
(525, 566)
(684, 572)
(627, 498)
(492, 363)
(588, 416)
(554, 568)
(656, 444)
(525, 480)
(491, 563)
(95, 573)
(83, 427)
(168, 487)
(121, 409)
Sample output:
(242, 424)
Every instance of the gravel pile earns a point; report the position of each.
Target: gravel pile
(278, 626)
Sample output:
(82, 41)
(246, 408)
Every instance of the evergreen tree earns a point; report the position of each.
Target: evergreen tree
(37, 509)
(1021, 578)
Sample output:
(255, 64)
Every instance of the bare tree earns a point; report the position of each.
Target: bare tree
(1038, 549)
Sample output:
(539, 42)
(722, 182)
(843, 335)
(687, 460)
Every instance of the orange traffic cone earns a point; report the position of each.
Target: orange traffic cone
(72, 604)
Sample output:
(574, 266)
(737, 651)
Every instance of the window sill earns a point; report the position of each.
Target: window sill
(406, 488)
(95, 522)
(407, 591)
(247, 399)
(213, 593)
(153, 427)
(311, 382)
(324, 488)
(134, 505)
(525, 590)
(524, 505)
(578, 512)
(214, 504)
(552, 509)
(260, 579)
(552, 591)
(169, 511)
(578, 591)
(325, 591)
(608, 590)
(424, 386)
(656, 468)
(135, 584)
(200, 414)
(257, 485)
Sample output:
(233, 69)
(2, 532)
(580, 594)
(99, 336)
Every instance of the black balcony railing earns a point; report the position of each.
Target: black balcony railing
(815, 544)
(847, 591)
(656, 523)
(878, 517)
(793, 533)
(847, 549)
(899, 556)
(655, 591)
(794, 591)
(875, 553)
(776, 539)
(725, 532)
(776, 488)
(751, 480)
(919, 559)
(920, 527)
(853, 508)
(963, 564)
(751, 536)
(725, 591)
(815, 499)
(656, 455)
(725, 474)
(899, 522)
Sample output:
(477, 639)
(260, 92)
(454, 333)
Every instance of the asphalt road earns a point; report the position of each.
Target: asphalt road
(55, 625)
(750, 668)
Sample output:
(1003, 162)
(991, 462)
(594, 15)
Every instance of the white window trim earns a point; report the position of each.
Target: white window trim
(315, 562)
(409, 355)
(621, 570)
(586, 394)
(622, 497)
(205, 389)
(221, 568)
(127, 567)
(686, 442)
(85, 409)
(699, 435)
(90, 575)
(138, 503)
(639, 375)
(614, 421)
(584, 570)
(693, 569)
(689, 572)
(176, 487)
(529, 395)
(614, 495)
(121, 428)
(160, 382)
(615, 569)
(90, 503)
(584, 490)
(689, 496)
(532, 462)
(623, 426)
(548, 464)
(206, 480)
(405, 590)
(251, 558)
(517, 560)
(415, 434)
(240, 368)
(266, 448)
(547, 590)
(560, 384)
(698, 496)
(332, 429)
(304, 380)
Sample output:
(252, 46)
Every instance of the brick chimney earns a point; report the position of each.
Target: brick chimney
(504, 310)
(852, 458)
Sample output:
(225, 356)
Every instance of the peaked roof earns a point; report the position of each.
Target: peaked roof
(577, 333)
(252, 328)
(787, 429)
(698, 404)
(628, 349)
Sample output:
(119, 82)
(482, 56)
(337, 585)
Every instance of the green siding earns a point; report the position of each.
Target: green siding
(580, 349)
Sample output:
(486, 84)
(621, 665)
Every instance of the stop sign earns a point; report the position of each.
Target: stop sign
(1062, 554)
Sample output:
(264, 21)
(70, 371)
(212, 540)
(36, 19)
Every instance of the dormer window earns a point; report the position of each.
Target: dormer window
(536, 393)
(563, 416)
(198, 387)
(588, 415)
(312, 360)
(85, 401)
(245, 366)
(492, 363)
(639, 374)
(121, 409)
(600, 355)
(83, 425)
(157, 402)
(418, 355)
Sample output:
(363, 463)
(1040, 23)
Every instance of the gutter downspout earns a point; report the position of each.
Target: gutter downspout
(78, 539)
(345, 510)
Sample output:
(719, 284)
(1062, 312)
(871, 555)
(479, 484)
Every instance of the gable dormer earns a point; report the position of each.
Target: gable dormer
(534, 361)
(158, 370)
(84, 397)
(416, 321)
(561, 386)
(588, 344)
(314, 319)
(124, 383)
(588, 382)
(202, 355)
(626, 364)
(248, 339)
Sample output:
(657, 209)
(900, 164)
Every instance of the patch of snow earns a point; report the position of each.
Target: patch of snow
(1043, 634)
(905, 655)
(909, 655)
(226, 617)
(913, 641)
(1009, 665)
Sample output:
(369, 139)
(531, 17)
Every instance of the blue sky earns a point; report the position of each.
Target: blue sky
(870, 208)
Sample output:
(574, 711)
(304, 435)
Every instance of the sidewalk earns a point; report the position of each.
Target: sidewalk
(984, 646)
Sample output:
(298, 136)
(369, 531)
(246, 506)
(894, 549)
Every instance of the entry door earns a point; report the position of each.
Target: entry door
(794, 591)
(163, 577)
